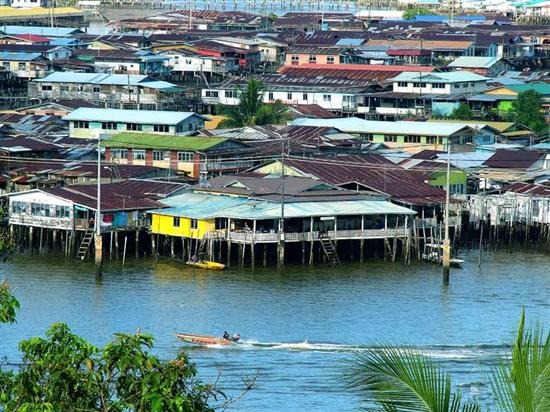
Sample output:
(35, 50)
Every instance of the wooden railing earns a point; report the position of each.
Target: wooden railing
(249, 237)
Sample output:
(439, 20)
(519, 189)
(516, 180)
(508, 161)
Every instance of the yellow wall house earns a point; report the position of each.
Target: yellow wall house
(179, 226)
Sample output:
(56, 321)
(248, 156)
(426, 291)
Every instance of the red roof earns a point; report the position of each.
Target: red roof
(362, 67)
(32, 37)
(375, 173)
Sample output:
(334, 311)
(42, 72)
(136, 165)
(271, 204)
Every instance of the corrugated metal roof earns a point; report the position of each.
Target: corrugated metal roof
(474, 62)
(129, 116)
(205, 206)
(41, 31)
(155, 141)
(93, 78)
(356, 125)
(448, 77)
(18, 56)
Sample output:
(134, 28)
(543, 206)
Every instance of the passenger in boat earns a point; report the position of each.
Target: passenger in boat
(235, 338)
(226, 335)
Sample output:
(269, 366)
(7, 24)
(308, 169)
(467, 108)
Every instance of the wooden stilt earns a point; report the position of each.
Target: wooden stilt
(136, 243)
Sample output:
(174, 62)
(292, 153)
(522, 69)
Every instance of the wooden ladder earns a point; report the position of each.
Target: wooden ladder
(85, 245)
(329, 249)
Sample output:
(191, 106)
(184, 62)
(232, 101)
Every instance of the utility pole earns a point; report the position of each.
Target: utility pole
(281, 246)
(447, 242)
(98, 240)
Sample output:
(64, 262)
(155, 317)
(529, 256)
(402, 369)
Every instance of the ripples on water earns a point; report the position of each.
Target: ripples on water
(298, 325)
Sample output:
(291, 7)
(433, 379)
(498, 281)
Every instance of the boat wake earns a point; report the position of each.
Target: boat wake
(442, 352)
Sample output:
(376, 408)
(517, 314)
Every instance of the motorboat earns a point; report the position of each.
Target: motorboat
(203, 339)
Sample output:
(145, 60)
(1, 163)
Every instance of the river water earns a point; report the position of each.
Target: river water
(299, 325)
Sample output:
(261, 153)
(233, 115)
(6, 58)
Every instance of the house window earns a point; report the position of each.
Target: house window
(138, 154)
(161, 128)
(402, 84)
(108, 126)
(419, 84)
(305, 96)
(367, 137)
(295, 59)
(194, 224)
(464, 85)
(176, 222)
(330, 59)
(62, 211)
(81, 125)
(185, 157)
(327, 97)
(40, 209)
(64, 88)
(46, 87)
(431, 140)
(312, 59)
(289, 96)
(457, 85)
(160, 155)
(438, 86)
(96, 89)
(22, 66)
(119, 153)
(229, 94)
(211, 93)
(412, 139)
(6, 65)
(133, 127)
(390, 138)
(18, 207)
(270, 96)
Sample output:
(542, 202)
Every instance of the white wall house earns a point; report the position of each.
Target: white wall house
(331, 100)
(459, 82)
(40, 209)
(182, 62)
(28, 3)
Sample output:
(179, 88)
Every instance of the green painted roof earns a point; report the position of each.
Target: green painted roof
(158, 141)
(542, 88)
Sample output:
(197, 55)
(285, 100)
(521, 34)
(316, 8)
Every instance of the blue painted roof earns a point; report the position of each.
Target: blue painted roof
(435, 19)
(63, 41)
(109, 79)
(350, 42)
(41, 31)
(447, 77)
(19, 56)
(210, 206)
(129, 116)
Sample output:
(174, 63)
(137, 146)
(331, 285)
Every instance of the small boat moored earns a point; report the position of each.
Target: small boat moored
(206, 264)
(433, 253)
(203, 339)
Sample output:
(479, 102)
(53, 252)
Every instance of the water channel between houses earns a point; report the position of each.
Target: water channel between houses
(298, 325)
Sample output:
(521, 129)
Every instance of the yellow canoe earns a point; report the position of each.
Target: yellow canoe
(207, 264)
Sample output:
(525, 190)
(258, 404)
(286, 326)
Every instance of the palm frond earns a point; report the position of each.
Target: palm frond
(403, 380)
(522, 384)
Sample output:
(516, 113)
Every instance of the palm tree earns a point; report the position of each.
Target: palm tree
(405, 380)
(251, 109)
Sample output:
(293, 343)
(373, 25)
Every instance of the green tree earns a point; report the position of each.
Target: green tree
(526, 110)
(8, 304)
(462, 112)
(63, 372)
(251, 109)
(411, 13)
(405, 380)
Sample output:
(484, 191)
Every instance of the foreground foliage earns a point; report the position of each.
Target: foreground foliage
(526, 110)
(405, 380)
(63, 372)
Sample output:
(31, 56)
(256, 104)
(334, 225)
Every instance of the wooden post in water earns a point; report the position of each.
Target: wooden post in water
(31, 230)
(124, 251)
(136, 243)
